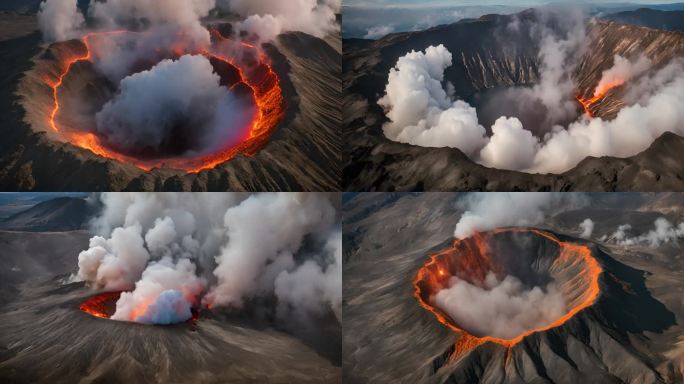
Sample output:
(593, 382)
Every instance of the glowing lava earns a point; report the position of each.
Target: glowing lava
(102, 305)
(599, 93)
(472, 259)
(258, 76)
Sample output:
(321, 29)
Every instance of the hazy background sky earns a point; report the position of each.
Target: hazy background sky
(373, 19)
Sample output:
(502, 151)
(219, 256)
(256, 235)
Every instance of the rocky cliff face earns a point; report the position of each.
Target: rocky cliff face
(611, 38)
(487, 55)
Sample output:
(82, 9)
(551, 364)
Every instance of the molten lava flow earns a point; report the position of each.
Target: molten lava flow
(471, 258)
(599, 93)
(261, 80)
(101, 305)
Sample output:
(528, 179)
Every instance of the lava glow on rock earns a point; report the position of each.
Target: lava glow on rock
(104, 306)
(571, 266)
(256, 74)
(599, 93)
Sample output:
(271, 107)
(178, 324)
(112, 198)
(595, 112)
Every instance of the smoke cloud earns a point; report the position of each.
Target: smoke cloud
(379, 31)
(623, 70)
(503, 309)
(297, 290)
(664, 232)
(172, 252)
(250, 261)
(269, 18)
(136, 14)
(174, 100)
(558, 52)
(163, 295)
(486, 211)
(116, 263)
(60, 19)
(422, 112)
(587, 227)
(265, 19)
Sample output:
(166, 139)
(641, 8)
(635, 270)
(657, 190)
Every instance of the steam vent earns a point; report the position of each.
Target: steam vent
(533, 257)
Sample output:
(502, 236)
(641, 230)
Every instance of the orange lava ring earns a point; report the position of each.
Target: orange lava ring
(265, 86)
(434, 276)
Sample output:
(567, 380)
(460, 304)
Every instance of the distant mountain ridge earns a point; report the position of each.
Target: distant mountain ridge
(651, 18)
(56, 215)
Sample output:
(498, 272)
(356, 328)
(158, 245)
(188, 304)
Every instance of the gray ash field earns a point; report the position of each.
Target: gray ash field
(630, 333)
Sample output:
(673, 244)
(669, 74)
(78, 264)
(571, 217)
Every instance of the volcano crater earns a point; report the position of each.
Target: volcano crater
(523, 259)
(212, 103)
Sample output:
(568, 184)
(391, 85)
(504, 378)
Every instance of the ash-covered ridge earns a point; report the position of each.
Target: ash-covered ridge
(487, 58)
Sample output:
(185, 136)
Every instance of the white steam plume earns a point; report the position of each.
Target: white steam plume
(264, 232)
(269, 18)
(185, 14)
(60, 19)
(622, 71)
(173, 251)
(503, 309)
(421, 112)
(587, 227)
(298, 290)
(115, 263)
(486, 211)
(557, 56)
(153, 105)
(379, 31)
(165, 294)
(664, 232)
